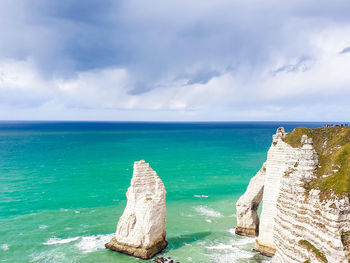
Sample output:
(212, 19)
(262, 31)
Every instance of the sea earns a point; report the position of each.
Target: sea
(63, 185)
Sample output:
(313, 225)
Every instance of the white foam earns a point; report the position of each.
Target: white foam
(58, 241)
(205, 211)
(220, 246)
(86, 243)
(49, 256)
(232, 231)
(201, 196)
(43, 226)
(5, 247)
(226, 253)
(243, 241)
(92, 243)
(208, 220)
(230, 257)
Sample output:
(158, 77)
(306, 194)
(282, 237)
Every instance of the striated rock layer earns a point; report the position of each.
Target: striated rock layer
(297, 223)
(309, 228)
(265, 186)
(141, 229)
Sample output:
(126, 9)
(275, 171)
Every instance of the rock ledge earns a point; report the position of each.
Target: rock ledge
(139, 252)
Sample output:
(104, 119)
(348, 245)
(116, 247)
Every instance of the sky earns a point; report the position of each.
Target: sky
(161, 60)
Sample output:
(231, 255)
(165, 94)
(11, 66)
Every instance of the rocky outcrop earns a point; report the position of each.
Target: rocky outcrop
(299, 222)
(248, 204)
(141, 228)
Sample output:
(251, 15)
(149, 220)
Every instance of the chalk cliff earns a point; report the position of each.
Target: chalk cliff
(306, 211)
(248, 204)
(141, 228)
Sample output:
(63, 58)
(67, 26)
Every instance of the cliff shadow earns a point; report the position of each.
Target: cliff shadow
(182, 240)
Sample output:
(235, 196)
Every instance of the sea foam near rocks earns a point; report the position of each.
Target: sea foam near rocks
(85, 243)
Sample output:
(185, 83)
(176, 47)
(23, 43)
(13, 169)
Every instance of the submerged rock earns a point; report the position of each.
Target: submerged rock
(141, 229)
(164, 260)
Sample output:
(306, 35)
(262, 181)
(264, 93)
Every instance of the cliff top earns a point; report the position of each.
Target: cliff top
(332, 145)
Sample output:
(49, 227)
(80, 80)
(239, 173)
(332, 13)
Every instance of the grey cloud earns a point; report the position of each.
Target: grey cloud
(203, 76)
(302, 65)
(64, 36)
(167, 41)
(345, 50)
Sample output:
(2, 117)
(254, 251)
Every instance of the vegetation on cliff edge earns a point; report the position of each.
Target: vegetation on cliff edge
(333, 148)
(313, 249)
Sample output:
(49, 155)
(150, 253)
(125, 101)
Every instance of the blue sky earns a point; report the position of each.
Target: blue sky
(179, 60)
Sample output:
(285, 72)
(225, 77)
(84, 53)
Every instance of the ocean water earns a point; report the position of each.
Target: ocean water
(63, 184)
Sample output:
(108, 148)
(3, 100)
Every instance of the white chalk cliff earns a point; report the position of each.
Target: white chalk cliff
(308, 228)
(296, 224)
(248, 204)
(141, 228)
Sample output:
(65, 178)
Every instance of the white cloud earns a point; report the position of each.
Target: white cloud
(179, 60)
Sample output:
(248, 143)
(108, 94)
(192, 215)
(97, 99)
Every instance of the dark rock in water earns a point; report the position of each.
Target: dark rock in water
(164, 260)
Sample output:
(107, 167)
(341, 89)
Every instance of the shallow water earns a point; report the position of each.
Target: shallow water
(62, 186)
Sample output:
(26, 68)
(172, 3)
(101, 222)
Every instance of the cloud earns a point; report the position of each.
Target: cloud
(183, 60)
(345, 50)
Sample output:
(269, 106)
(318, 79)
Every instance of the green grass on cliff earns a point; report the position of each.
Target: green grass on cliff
(313, 249)
(333, 148)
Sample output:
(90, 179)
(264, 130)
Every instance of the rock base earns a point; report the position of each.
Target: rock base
(249, 232)
(266, 250)
(139, 252)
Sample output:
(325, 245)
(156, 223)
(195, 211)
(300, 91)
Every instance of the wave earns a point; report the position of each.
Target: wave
(203, 196)
(234, 251)
(241, 241)
(205, 211)
(57, 241)
(92, 243)
(227, 253)
(86, 243)
(232, 231)
(5, 247)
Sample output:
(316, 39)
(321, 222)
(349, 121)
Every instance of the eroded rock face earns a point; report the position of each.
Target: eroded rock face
(265, 186)
(296, 224)
(281, 158)
(141, 229)
(307, 228)
(248, 204)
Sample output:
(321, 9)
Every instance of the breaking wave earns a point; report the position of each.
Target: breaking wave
(201, 196)
(5, 247)
(84, 243)
(92, 243)
(57, 241)
(206, 211)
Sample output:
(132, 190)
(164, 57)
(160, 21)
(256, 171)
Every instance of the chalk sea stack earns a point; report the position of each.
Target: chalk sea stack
(305, 188)
(141, 228)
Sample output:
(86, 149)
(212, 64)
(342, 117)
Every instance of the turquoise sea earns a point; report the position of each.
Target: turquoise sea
(63, 185)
